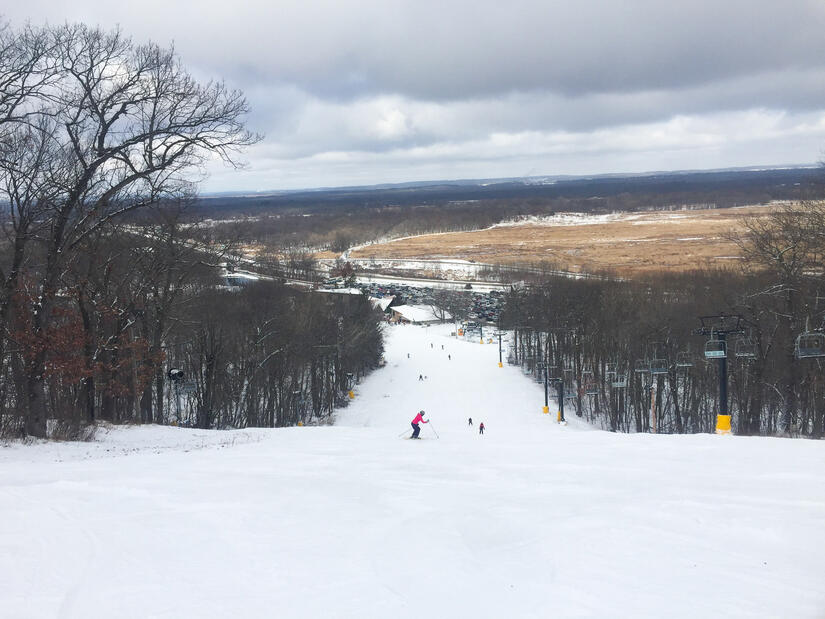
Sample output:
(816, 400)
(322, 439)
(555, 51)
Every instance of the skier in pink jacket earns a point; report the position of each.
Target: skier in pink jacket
(419, 418)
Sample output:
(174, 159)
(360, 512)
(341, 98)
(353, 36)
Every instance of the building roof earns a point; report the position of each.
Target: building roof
(382, 302)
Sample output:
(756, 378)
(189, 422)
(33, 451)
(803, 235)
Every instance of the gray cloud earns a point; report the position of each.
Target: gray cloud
(390, 90)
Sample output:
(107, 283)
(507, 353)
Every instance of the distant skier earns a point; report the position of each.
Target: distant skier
(420, 377)
(481, 428)
(419, 418)
(431, 344)
(408, 355)
(471, 421)
(442, 347)
(449, 357)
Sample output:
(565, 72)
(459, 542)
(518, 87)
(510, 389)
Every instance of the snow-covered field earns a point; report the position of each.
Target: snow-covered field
(530, 520)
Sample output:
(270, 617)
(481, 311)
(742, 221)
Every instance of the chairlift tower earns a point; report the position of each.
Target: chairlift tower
(560, 395)
(542, 366)
(499, 334)
(176, 376)
(718, 328)
(564, 375)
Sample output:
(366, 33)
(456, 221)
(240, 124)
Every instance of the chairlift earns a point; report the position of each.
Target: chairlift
(187, 387)
(745, 348)
(658, 358)
(589, 383)
(641, 366)
(684, 360)
(619, 381)
(715, 348)
(610, 371)
(810, 344)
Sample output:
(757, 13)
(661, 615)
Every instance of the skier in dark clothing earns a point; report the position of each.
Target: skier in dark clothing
(420, 377)
(419, 418)
(471, 421)
(481, 428)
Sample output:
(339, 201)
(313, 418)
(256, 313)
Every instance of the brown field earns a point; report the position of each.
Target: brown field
(625, 243)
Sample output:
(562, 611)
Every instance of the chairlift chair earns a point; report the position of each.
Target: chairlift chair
(745, 348)
(619, 381)
(641, 366)
(658, 366)
(527, 364)
(683, 360)
(810, 344)
(589, 383)
(658, 358)
(716, 348)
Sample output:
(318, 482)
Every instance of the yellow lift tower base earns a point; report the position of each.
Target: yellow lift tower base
(722, 424)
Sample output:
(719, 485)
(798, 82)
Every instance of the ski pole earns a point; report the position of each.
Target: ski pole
(433, 429)
(403, 433)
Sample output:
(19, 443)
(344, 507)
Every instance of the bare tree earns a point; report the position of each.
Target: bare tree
(119, 126)
(451, 304)
(789, 247)
(170, 257)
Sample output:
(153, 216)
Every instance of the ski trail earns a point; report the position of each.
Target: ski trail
(458, 382)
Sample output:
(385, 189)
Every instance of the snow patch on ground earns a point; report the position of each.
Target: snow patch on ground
(638, 218)
(567, 219)
(112, 441)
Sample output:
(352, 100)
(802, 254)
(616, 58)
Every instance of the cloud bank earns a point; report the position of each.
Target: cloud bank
(391, 91)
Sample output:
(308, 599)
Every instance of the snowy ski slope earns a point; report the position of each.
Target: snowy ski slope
(530, 520)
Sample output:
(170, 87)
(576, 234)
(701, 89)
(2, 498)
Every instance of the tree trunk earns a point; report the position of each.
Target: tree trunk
(37, 409)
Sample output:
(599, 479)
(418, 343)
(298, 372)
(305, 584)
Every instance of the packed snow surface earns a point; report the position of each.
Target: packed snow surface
(532, 519)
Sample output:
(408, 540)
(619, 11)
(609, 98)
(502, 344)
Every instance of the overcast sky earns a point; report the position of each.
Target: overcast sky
(371, 91)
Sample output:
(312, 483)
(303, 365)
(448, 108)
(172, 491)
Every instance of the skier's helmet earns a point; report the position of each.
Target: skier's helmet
(423, 413)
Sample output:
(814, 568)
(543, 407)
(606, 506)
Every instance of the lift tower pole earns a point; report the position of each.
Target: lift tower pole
(718, 328)
(499, 333)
